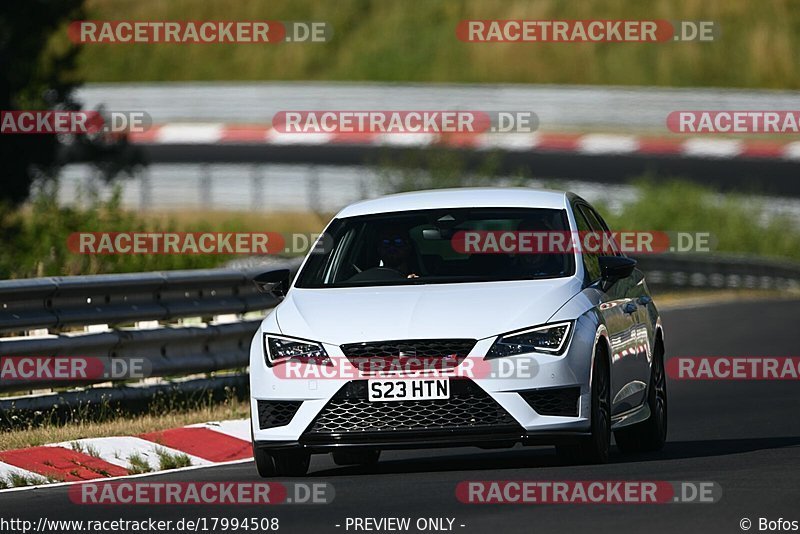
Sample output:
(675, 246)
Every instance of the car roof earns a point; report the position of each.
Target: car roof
(464, 197)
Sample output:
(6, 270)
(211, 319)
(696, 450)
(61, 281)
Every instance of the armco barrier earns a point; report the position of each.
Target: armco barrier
(728, 164)
(704, 271)
(119, 302)
(774, 175)
(124, 316)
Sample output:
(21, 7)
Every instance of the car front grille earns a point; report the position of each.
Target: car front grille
(408, 354)
(553, 401)
(469, 407)
(273, 414)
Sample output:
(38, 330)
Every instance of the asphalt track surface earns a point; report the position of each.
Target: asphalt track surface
(743, 435)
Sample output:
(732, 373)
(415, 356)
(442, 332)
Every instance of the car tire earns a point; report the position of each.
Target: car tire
(264, 463)
(291, 463)
(651, 434)
(594, 449)
(364, 457)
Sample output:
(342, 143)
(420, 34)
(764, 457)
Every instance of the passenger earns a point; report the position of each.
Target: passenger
(536, 264)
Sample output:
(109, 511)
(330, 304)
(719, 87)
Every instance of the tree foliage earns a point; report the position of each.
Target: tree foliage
(37, 71)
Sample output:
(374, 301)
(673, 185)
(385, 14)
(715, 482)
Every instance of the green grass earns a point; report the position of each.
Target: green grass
(169, 460)
(16, 480)
(738, 223)
(20, 431)
(138, 465)
(415, 41)
(34, 238)
(87, 449)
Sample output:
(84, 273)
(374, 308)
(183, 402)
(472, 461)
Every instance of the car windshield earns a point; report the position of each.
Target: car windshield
(428, 247)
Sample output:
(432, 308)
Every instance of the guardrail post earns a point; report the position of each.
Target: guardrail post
(145, 190)
(205, 187)
(312, 189)
(256, 188)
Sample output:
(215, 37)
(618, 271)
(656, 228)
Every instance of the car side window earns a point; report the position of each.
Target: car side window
(599, 225)
(596, 220)
(590, 262)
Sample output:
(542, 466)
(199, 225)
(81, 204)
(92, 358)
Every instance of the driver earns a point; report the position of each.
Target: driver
(395, 251)
(541, 263)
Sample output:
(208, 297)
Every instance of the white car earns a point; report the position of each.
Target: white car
(408, 328)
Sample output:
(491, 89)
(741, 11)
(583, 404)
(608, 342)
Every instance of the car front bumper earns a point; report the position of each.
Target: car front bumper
(542, 373)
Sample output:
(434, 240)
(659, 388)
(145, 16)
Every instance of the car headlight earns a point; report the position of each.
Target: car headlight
(550, 338)
(281, 348)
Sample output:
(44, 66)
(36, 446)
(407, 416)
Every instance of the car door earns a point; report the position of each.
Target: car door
(618, 310)
(636, 348)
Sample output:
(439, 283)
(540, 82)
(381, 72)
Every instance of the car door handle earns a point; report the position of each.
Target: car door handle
(630, 307)
(644, 300)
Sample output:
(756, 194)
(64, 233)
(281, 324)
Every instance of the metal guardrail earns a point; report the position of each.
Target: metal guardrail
(120, 301)
(123, 298)
(774, 176)
(88, 403)
(585, 107)
(701, 271)
(119, 307)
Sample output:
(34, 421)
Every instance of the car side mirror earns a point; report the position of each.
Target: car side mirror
(275, 282)
(613, 268)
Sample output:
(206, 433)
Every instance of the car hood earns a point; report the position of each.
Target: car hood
(468, 310)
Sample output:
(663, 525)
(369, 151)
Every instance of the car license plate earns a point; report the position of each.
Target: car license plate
(410, 389)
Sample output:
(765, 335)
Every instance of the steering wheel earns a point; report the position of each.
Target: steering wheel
(377, 274)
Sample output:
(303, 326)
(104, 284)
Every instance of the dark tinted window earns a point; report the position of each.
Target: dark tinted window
(590, 261)
(598, 225)
(423, 247)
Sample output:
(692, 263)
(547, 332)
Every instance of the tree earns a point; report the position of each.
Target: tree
(36, 72)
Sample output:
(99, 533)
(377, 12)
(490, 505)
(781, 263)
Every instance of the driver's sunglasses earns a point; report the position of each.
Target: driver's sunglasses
(396, 242)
